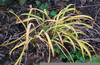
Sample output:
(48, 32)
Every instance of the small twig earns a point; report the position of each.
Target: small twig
(89, 32)
(97, 31)
(97, 48)
(97, 40)
(87, 6)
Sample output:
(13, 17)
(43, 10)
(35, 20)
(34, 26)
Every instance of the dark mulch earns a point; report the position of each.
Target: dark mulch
(10, 31)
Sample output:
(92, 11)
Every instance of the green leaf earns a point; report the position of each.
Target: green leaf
(78, 55)
(95, 62)
(46, 29)
(33, 16)
(46, 4)
(37, 2)
(42, 7)
(48, 12)
(69, 58)
(45, 26)
(63, 56)
(74, 51)
(88, 61)
(94, 58)
(78, 61)
(11, 10)
(54, 37)
(53, 13)
(80, 51)
(84, 54)
(73, 56)
(82, 59)
(54, 49)
(57, 51)
(66, 5)
(65, 39)
(58, 47)
(37, 64)
(99, 59)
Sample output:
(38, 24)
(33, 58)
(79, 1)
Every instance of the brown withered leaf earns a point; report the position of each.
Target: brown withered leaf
(33, 57)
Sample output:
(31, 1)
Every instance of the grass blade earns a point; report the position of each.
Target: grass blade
(50, 43)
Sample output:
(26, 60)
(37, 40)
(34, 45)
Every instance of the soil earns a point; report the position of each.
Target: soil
(10, 31)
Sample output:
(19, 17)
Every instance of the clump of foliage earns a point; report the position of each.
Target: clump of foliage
(57, 30)
(44, 6)
(78, 58)
(94, 60)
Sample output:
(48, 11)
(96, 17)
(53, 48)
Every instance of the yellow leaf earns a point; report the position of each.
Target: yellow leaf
(50, 43)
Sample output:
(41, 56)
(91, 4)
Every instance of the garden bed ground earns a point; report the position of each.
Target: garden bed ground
(10, 31)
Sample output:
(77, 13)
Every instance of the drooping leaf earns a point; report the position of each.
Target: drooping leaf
(50, 43)
(33, 16)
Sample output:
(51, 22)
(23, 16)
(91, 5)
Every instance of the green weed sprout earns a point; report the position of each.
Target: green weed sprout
(53, 13)
(43, 6)
(53, 31)
(37, 2)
